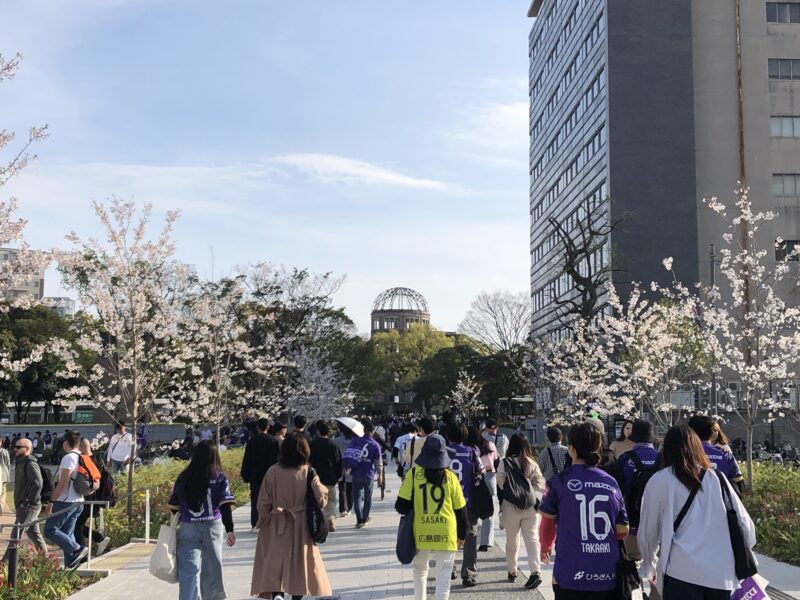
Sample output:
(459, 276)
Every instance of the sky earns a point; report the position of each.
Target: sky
(385, 142)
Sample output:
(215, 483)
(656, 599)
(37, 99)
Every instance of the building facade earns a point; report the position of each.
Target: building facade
(634, 108)
(61, 305)
(23, 286)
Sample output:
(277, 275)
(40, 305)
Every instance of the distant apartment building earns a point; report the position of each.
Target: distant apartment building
(33, 286)
(61, 305)
(638, 101)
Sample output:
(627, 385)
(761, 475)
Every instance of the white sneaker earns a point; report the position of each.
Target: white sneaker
(254, 530)
(102, 545)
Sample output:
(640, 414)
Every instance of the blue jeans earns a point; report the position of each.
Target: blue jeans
(200, 561)
(362, 498)
(61, 528)
(118, 466)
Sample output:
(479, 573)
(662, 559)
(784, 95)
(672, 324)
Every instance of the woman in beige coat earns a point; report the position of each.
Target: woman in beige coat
(287, 560)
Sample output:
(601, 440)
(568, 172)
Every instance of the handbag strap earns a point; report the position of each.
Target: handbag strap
(552, 459)
(687, 505)
(726, 492)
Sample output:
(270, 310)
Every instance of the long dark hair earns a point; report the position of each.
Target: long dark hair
(519, 447)
(474, 438)
(587, 442)
(196, 477)
(622, 437)
(683, 452)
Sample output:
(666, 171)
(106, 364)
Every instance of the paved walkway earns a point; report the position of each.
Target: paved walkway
(361, 565)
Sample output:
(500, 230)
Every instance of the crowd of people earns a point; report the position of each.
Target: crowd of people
(579, 503)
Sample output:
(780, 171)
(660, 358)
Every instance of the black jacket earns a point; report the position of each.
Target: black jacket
(326, 458)
(262, 451)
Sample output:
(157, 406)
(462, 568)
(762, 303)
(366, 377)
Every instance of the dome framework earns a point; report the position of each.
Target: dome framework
(398, 309)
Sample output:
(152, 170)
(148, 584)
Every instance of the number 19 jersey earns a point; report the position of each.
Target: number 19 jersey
(588, 506)
(435, 509)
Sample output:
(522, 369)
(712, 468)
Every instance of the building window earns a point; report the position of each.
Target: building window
(783, 12)
(785, 184)
(784, 68)
(787, 250)
(787, 127)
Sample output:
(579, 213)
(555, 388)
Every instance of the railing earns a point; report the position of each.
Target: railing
(18, 528)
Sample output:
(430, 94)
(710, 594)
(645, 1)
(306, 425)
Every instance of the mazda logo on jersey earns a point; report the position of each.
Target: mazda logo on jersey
(574, 485)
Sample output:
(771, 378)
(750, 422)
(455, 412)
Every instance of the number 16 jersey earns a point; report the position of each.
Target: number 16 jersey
(435, 509)
(588, 506)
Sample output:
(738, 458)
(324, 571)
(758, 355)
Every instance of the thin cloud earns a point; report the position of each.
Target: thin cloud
(495, 134)
(329, 168)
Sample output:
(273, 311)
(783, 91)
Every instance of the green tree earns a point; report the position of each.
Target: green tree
(400, 358)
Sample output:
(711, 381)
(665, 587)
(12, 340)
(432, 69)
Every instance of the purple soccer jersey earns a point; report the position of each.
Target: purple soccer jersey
(723, 461)
(587, 504)
(362, 456)
(646, 453)
(463, 466)
(219, 492)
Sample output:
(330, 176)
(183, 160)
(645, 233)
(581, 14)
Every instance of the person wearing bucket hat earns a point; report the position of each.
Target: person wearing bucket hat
(440, 525)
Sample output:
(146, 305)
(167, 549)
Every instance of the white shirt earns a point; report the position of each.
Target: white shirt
(68, 463)
(400, 442)
(119, 448)
(499, 440)
(700, 551)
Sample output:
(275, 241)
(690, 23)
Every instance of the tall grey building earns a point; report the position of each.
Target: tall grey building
(638, 101)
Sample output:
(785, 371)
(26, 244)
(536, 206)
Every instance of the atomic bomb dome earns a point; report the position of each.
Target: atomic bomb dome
(399, 308)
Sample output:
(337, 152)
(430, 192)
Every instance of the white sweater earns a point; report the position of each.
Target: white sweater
(700, 551)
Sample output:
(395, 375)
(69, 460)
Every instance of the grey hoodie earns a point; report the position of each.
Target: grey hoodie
(27, 483)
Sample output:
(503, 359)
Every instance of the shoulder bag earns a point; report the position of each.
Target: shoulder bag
(317, 525)
(163, 562)
(744, 561)
(482, 499)
(406, 547)
(629, 583)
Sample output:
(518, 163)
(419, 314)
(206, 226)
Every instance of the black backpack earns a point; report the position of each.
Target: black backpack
(641, 475)
(517, 489)
(108, 488)
(47, 485)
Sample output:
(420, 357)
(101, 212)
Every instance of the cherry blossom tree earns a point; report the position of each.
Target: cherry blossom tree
(465, 396)
(230, 364)
(316, 390)
(751, 331)
(132, 285)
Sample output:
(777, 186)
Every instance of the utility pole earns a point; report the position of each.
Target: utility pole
(712, 280)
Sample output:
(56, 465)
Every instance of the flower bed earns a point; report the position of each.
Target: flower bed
(41, 577)
(775, 508)
(160, 478)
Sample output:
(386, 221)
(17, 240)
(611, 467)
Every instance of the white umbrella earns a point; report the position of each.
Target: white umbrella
(352, 425)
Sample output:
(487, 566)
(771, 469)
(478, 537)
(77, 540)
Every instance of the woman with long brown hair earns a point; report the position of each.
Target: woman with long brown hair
(287, 561)
(522, 520)
(683, 518)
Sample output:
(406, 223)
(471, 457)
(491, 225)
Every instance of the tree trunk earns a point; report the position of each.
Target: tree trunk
(750, 429)
(132, 463)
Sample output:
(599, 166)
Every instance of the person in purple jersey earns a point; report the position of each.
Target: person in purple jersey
(202, 496)
(721, 459)
(363, 459)
(642, 438)
(589, 512)
(466, 463)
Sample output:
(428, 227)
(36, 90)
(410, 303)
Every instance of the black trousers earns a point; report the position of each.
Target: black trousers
(565, 594)
(345, 496)
(79, 534)
(254, 503)
(675, 589)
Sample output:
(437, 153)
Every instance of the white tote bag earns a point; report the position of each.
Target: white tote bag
(163, 561)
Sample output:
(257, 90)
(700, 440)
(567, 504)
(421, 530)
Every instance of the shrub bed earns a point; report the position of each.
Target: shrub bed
(775, 508)
(160, 478)
(40, 577)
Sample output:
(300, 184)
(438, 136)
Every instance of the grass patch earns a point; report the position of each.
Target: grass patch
(774, 506)
(40, 577)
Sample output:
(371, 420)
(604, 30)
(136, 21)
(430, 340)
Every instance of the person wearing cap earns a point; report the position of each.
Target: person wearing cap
(432, 489)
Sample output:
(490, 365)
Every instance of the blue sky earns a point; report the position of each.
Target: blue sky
(384, 141)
